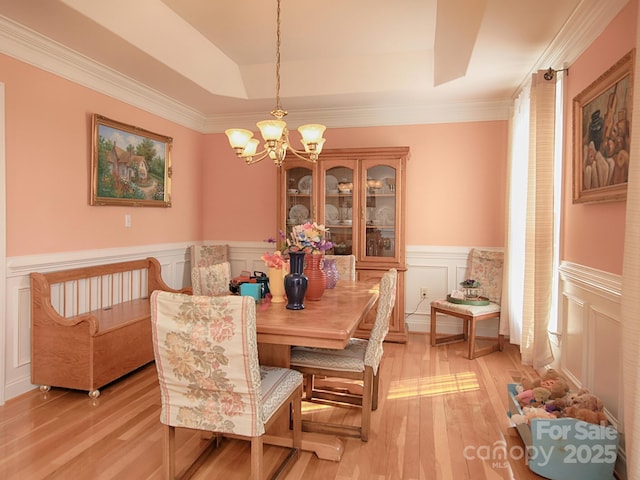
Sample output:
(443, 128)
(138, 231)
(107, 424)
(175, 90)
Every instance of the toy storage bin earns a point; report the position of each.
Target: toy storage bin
(562, 448)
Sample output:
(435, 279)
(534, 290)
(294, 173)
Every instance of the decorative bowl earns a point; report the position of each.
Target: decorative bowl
(374, 184)
(345, 187)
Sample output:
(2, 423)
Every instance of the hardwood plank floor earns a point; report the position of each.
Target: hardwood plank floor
(439, 417)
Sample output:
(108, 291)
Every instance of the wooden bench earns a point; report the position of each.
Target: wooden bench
(92, 325)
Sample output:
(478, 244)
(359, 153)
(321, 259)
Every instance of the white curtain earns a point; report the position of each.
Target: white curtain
(513, 284)
(631, 290)
(530, 237)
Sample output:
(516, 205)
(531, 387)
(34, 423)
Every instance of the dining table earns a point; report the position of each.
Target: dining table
(326, 323)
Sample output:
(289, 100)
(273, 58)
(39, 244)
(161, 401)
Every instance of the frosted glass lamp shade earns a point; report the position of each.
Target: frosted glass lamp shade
(251, 148)
(271, 129)
(311, 133)
(238, 137)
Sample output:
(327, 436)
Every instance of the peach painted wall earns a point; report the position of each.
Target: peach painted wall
(455, 176)
(48, 128)
(455, 183)
(593, 234)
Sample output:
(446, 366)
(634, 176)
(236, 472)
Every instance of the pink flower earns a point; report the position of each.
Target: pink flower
(273, 260)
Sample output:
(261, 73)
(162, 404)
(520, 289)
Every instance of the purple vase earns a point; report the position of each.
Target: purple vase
(331, 269)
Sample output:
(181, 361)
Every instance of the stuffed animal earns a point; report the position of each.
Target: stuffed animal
(548, 380)
(525, 397)
(540, 396)
(586, 400)
(586, 415)
(529, 413)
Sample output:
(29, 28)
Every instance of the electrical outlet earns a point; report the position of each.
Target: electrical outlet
(424, 292)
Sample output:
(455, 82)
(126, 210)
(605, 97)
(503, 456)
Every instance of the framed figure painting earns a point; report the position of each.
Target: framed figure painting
(602, 133)
(129, 165)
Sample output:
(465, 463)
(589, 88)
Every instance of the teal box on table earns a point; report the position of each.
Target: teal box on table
(562, 448)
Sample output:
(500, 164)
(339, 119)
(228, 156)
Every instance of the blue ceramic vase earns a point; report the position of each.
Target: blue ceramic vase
(295, 282)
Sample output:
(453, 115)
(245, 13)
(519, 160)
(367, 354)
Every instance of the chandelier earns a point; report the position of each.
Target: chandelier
(274, 132)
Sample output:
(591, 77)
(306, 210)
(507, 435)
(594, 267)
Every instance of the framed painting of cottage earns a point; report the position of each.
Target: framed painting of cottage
(129, 165)
(601, 135)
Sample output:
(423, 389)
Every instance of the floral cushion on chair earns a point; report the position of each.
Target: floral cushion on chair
(212, 280)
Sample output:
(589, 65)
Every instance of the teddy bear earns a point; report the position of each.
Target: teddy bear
(584, 399)
(536, 397)
(551, 380)
(586, 415)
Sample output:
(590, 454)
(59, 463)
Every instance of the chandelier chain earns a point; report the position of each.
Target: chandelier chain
(278, 106)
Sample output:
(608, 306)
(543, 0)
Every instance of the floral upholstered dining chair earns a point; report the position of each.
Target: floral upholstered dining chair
(210, 379)
(359, 360)
(203, 254)
(485, 270)
(212, 280)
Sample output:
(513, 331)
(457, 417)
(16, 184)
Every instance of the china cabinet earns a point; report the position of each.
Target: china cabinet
(359, 194)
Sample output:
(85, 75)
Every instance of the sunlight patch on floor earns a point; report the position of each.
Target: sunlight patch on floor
(433, 386)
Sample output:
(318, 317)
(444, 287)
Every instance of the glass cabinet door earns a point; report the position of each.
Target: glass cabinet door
(380, 211)
(339, 208)
(299, 207)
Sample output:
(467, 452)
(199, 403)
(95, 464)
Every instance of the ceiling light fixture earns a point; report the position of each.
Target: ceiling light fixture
(274, 132)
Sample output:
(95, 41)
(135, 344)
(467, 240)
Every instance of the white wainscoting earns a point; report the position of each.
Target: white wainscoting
(590, 308)
(176, 268)
(590, 337)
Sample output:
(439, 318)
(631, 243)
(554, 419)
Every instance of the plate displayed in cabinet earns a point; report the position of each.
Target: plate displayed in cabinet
(304, 185)
(331, 184)
(385, 216)
(331, 215)
(299, 214)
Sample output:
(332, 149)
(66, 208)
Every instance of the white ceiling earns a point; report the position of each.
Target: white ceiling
(344, 62)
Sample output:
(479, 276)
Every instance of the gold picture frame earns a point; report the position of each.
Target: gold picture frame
(130, 166)
(601, 135)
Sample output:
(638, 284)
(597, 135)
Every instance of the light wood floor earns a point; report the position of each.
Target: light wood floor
(436, 409)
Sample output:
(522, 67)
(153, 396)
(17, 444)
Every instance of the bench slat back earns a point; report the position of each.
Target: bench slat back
(81, 290)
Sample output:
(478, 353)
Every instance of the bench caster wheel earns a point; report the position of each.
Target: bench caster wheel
(45, 388)
(94, 393)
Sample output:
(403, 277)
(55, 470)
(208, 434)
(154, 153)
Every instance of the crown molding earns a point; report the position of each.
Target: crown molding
(39, 51)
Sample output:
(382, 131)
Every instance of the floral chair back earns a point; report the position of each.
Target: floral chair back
(386, 301)
(203, 255)
(212, 280)
(207, 361)
(485, 266)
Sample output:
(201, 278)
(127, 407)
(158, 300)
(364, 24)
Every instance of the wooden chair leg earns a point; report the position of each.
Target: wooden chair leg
(256, 458)
(376, 381)
(433, 327)
(308, 386)
(296, 421)
(472, 338)
(367, 395)
(169, 452)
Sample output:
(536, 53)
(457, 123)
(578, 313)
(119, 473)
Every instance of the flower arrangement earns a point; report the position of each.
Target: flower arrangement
(309, 238)
(273, 260)
(470, 283)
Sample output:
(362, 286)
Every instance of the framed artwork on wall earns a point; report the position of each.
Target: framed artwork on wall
(129, 165)
(602, 133)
